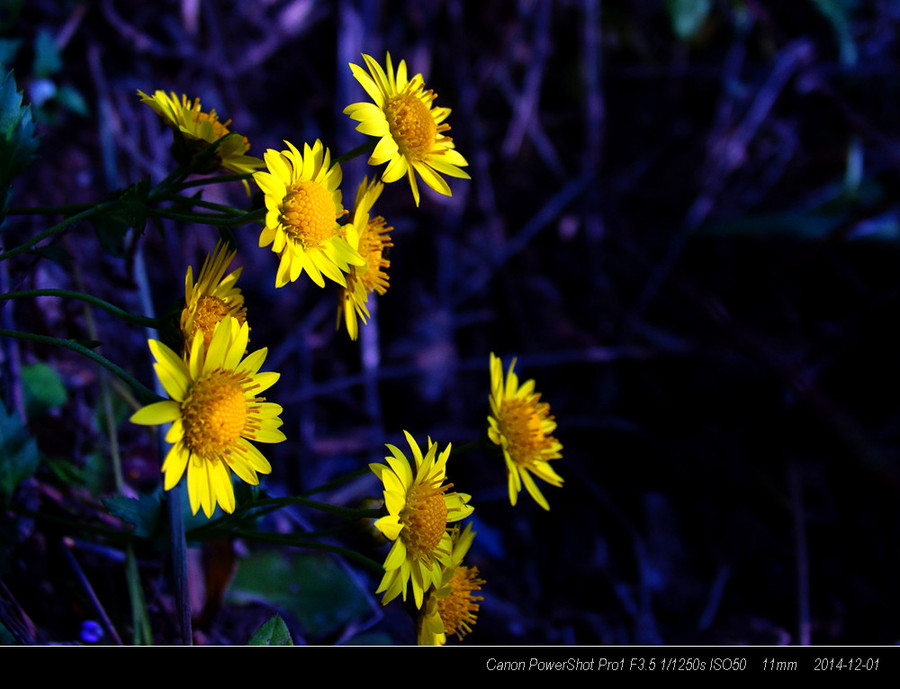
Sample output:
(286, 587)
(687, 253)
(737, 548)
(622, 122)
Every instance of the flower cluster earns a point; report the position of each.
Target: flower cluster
(419, 507)
(214, 406)
(215, 410)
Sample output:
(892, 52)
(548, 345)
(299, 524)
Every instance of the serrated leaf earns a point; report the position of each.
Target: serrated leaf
(273, 632)
(44, 389)
(19, 457)
(18, 141)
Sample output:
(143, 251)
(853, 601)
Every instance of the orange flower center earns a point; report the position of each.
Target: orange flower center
(214, 414)
(424, 519)
(309, 213)
(520, 423)
(371, 247)
(411, 124)
(210, 311)
(458, 608)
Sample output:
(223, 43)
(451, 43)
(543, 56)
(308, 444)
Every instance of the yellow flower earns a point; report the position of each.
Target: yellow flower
(212, 298)
(369, 237)
(303, 203)
(215, 410)
(522, 426)
(198, 129)
(419, 509)
(411, 132)
(451, 608)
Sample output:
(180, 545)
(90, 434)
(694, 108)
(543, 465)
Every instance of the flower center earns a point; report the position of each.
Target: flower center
(425, 519)
(411, 124)
(309, 214)
(210, 311)
(520, 423)
(214, 414)
(458, 608)
(371, 247)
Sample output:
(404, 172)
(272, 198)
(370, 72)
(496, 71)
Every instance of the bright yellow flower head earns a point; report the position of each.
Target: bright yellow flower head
(215, 410)
(369, 237)
(199, 129)
(303, 203)
(522, 426)
(212, 298)
(410, 131)
(419, 509)
(451, 607)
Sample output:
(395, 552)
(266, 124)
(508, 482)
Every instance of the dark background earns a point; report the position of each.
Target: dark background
(686, 232)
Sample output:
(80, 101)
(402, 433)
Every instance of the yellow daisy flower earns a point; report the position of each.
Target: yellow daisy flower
(212, 298)
(451, 608)
(522, 426)
(214, 411)
(303, 202)
(419, 509)
(369, 237)
(199, 129)
(410, 131)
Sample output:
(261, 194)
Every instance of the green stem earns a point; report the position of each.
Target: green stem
(50, 210)
(212, 180)
(90, 299)
(262, 507)
(178, 174)
(59, 227)
(142, 634)
(482, 443)
(284, 539)
(337, 482)
(190, 201)
(367, 147)
(144, 392)
(216, 219)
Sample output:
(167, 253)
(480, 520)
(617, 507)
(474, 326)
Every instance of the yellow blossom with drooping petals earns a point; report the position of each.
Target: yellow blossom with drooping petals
(369, 237)
(199, 129)
(212, 298)
(419, 508)
(522, 426)
(451, 607)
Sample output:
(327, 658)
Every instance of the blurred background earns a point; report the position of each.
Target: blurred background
(682, 219)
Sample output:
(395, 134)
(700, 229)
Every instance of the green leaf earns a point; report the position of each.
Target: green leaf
(837, 12)
(313, 588)
(142, 512)
(44, 389)
(65, 471)
(8, 49)
(129, 211)
(71, 99)
(47, 60)
(19, 456)
(687, 16)
(18, 141)
(273, 632)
